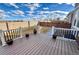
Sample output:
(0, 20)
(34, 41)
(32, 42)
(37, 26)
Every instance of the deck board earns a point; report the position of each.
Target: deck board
(40, 44)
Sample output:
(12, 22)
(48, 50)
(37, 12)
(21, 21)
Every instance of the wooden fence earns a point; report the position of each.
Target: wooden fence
(59, 24)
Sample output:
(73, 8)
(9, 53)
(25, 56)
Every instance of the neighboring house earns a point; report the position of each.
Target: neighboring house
(73, 17)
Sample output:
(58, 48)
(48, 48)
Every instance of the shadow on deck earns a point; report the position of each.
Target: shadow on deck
(40, 44)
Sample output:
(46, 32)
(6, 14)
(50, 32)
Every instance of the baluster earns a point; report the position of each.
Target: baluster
(59, 32)
(69, 32)
(77, 33)
(56, 32)
(5, 36)
(66, 32)
(18, 32)
(74, 33)
(15, 33)
(8, 35)
(63, 31)
(12, 33)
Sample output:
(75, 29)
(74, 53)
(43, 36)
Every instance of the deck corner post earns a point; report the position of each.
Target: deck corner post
(53, 29)
(39, 29)
(20, 32)
(2, 38)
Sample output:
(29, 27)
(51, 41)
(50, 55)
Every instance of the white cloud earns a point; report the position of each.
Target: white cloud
(46, 8)
(19, 12)
(73, 4)
(32, 6)
(44, 12)
(64, 12)
(36, 5)
(13, 4)
(2, 13)
(60, 3)
(30, 13)
(58, 14)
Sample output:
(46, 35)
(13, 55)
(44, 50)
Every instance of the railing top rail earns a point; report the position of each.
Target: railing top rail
(65, 29)
(9, 30)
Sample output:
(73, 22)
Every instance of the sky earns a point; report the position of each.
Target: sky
(36, 11)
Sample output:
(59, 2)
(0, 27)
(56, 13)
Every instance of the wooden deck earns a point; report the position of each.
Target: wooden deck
(40, 44)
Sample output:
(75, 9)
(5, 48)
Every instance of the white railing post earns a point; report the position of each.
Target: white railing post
(53, 29)
(2, 38)
(20, 32)
(39, 29)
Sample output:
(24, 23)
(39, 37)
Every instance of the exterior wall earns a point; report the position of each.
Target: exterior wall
(75, 19)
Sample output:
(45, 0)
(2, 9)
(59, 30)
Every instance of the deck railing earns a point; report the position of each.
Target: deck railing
(15, 33)
(64, 31)
(11, 34)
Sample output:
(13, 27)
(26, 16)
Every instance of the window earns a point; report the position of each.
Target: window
(78, 23)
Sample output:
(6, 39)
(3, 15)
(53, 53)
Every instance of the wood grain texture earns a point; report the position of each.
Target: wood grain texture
(40, 44)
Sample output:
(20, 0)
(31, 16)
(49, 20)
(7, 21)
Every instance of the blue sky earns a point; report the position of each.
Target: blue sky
(28, 11)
